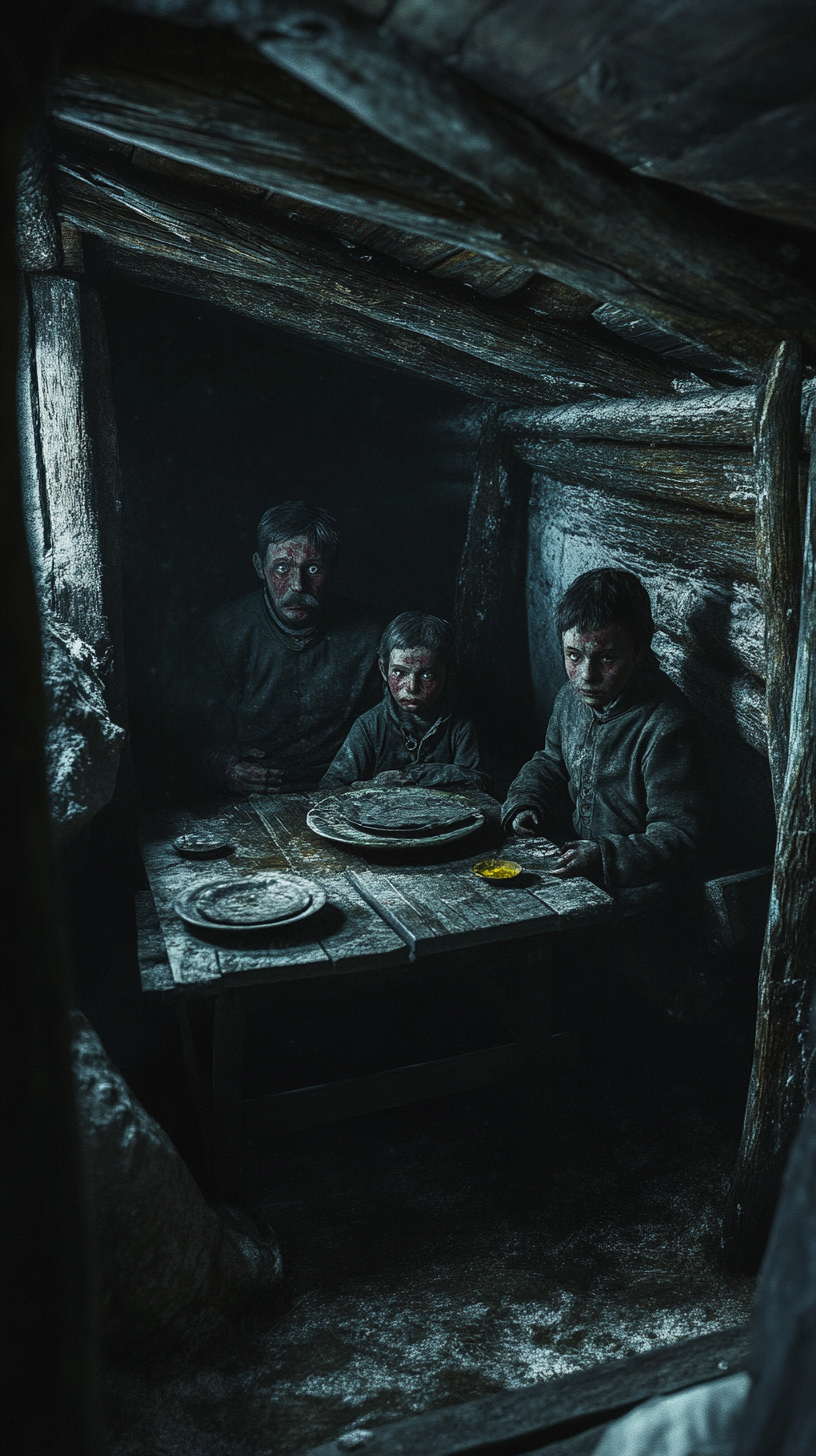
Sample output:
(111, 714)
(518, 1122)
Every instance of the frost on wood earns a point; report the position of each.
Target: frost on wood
(82, 744)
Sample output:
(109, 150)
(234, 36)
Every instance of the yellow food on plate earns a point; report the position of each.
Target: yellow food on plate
(497, 869)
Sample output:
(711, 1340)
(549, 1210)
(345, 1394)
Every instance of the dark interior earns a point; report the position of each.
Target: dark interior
(219, 418)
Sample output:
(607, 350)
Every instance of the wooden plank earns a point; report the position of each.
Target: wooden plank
(440, 911)
(560, 361)
(779, 540)
(721, 480)
(576, 901)
(39, 248)
(667, 535)
(722, 417)
(284, 1112)
(736, 909)
(520, 1420)
(154, 967)
(780, 1073)
(602, 232)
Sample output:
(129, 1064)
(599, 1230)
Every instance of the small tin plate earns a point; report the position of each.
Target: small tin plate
(202, 846)
(497, 871)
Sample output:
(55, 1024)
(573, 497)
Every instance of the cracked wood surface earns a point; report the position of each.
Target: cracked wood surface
(440, 904)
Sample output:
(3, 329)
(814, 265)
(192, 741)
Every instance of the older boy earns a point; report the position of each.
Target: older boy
(414, 736)
(622, 750)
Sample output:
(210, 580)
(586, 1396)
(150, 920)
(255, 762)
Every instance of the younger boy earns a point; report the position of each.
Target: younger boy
(622, 751)
(413, 736)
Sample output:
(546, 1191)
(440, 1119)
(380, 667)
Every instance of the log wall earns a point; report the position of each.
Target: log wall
(681, 513)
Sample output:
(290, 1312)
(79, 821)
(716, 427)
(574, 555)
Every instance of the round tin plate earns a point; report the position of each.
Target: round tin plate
(187, 906)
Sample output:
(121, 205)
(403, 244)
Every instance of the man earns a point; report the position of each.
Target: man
(415, 735)
(279, 676)
(622, 752)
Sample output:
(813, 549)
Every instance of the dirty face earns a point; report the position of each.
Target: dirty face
(415, 678)
(296, 577)
(599, 664)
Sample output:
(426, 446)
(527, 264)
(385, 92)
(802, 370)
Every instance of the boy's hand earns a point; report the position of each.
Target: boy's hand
(525, 822)
(392, 776)
(577, 857)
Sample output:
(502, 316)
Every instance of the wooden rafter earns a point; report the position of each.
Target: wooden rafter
(309, 282)
(415, 149)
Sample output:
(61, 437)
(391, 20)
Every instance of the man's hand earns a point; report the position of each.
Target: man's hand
(577, 857)
(249, 773)
(525, 822)
(392, 776)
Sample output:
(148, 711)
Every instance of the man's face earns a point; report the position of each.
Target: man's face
(600, 664)
(296, 578)
(415, 677)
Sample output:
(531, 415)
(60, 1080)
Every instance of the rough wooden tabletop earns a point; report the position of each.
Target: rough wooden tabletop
(383, 908)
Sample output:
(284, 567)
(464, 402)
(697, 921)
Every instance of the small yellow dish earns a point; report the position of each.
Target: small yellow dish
(497, 870)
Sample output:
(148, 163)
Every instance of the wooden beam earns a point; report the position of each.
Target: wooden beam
(71, 469)
(490, 612)
(448, 165)
(672, 534)
(590, 225)
(323, 291)
(788, 972)
(779, 539)
(285, 1112)
(720, 417)
(532, 1418)
(721, 481)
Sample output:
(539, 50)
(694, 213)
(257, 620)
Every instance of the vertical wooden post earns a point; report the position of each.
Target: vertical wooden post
(779, 540)
(490, 613)
(537, 1043)
(47, 1400)
(780, 1075)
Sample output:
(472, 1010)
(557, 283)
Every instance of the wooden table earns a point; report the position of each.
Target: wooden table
(383, 911)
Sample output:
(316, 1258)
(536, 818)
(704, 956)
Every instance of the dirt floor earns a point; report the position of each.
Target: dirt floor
(416, 1277)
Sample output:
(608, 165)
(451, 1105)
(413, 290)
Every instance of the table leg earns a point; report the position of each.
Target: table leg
(536, 1002)
(227, 1070)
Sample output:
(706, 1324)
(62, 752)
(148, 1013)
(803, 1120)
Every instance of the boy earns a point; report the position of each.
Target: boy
(413, 736)
(622, 751)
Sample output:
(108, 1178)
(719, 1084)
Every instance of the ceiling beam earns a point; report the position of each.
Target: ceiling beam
(415, 148)
(587, 222)
(493, 349)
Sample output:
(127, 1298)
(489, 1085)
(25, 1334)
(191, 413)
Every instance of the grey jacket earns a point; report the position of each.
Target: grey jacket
(442, 752)
(634, 773)
(253, 684)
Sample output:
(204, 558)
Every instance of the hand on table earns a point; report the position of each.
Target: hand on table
(577, 857)
(392, 776)
(249, 773)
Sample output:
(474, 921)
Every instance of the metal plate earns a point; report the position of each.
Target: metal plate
(202, 846)
(401, 812)
(328, 820)
(254, 901)
(189, 909)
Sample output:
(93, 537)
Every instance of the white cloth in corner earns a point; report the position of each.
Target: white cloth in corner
(701, 1421)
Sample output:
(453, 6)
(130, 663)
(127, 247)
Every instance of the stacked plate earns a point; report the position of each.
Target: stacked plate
(380, 817)
(259, 902)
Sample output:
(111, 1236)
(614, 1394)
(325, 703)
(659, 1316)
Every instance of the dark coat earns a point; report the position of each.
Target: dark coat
(443, 752)
(253, 684)
(634, 773)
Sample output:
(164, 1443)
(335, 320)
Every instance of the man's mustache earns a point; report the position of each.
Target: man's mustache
(299, 599)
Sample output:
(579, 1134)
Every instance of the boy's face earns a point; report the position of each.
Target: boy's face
(599, 664)
(415, 677)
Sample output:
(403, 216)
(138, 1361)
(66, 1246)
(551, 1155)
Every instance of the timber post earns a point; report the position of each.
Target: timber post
(781, 1077)
(490, 613)
(779, 540)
